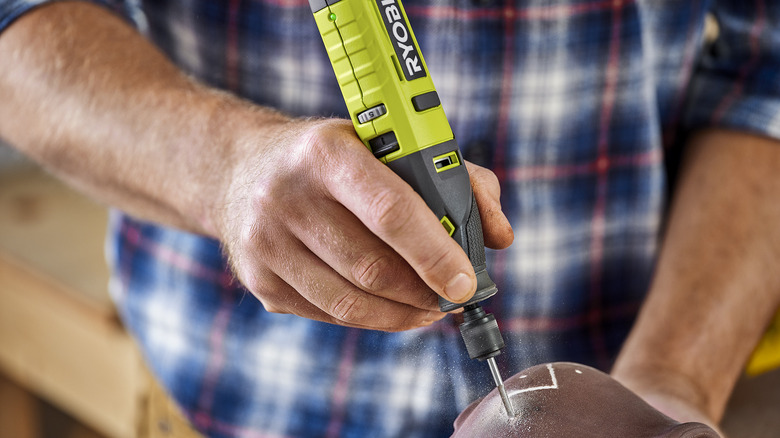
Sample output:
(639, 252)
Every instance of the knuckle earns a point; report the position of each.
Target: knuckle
(371, 270)
(315, 139)
(264, 198)
(271, 194)
(482, 177)
(388, 211)
(350, 307)
(319, 155)
(249, 235)
(320, 140)
(256, 245)
(491, 179)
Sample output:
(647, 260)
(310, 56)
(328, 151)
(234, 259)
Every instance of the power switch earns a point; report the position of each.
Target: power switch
(426, 101)
(384, 144)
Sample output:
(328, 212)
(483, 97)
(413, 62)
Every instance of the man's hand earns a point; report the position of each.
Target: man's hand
(313, 223)
(318, 227)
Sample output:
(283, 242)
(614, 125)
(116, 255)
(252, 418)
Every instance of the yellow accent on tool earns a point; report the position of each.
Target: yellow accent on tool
(448, 227)
(446, 161)
(766, 356)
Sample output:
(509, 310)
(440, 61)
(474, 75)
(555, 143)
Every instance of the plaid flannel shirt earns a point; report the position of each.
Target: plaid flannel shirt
(575, 104)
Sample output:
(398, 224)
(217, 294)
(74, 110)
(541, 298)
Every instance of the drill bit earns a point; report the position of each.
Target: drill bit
(510, 411)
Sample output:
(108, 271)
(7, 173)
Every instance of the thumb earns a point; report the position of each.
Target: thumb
(487, 191)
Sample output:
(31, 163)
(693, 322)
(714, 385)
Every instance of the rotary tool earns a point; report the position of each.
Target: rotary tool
(398, 115)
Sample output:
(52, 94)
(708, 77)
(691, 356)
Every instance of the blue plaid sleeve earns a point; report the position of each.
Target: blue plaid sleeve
(10, 10)
(737, 82)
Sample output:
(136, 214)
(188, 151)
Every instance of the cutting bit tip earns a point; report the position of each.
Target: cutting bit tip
(510, 410)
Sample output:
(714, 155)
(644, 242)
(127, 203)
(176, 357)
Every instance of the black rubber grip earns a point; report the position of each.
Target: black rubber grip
(476, 242)
(448, 194)
(475, 249)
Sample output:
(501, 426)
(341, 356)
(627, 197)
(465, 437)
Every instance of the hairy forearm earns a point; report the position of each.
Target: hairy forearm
(313, 224)
(716, 286)
(89, 98)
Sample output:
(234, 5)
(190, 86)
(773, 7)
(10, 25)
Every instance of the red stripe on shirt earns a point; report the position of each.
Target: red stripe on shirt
(595, 315)
(755, 55)
(243, 432)
(232, 55)
(178, 260)
(215, 363)
(525, 13)
(341, 389)
(544, 323)
(548, 172)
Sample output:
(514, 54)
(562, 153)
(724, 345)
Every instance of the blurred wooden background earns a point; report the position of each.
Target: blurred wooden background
(67, 366)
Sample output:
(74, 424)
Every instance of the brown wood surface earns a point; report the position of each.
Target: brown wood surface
(57, 232)
(164, 419)
(60, 338)
(59, 335)
(67, 352)
(18, 411)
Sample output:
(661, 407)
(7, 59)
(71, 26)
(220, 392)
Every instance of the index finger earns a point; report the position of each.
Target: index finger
(395, 213)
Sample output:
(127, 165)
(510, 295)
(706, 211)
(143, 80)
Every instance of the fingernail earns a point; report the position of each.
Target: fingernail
(460, 287)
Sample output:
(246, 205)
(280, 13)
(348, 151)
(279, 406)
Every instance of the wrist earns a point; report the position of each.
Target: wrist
(656, 383)
(672, 393)
(237, 135)
(667, 386)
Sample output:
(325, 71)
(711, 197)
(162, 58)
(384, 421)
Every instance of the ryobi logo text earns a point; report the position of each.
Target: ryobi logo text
(402, 40)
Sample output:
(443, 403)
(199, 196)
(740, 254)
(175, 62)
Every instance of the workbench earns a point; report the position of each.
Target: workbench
(61, 340)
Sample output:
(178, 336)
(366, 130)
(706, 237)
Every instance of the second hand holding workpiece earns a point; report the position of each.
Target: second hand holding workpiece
(398, 115)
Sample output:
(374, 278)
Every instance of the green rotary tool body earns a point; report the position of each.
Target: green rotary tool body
(397, 114)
